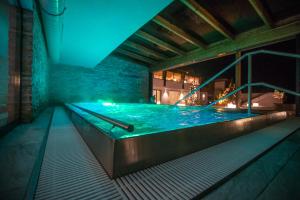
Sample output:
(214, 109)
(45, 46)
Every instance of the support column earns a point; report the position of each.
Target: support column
(238, 78)
(182, 80)
(298, 75)
(165, 78)
(150, 87)
(249, 82)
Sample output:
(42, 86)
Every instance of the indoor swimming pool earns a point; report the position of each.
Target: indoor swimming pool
(152, 118)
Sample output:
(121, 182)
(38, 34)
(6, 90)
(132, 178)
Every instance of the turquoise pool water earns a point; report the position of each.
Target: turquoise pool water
(152, 118)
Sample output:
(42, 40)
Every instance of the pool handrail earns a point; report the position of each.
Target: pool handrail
(253, 85)
(233, 64)
(114, 122)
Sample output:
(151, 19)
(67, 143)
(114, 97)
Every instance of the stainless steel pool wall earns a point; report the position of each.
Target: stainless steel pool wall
(123, 156)
(99, 143)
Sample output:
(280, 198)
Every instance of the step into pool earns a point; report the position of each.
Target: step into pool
(159, 132)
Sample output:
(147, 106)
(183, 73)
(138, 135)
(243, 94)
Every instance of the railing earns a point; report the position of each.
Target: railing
(114, 122)
(253, 85)
(233, 64)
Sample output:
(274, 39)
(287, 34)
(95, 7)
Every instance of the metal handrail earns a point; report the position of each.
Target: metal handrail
(114, 122)
(249, 55)
(253, 85)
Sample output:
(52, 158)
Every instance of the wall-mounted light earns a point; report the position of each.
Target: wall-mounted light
(165, 95)
(181, 95)
(203, 96)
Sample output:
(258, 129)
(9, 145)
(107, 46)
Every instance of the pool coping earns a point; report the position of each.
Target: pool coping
(126, 155)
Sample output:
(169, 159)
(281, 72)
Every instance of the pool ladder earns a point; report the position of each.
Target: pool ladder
(249, 84)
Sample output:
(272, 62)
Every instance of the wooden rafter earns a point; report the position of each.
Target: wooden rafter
(154, 40)
(247, 40)
(178, 31)
(144, 50)
(262, 12)
(135, 56)
(207, 16)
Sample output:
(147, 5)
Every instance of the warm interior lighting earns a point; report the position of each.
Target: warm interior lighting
(255, 104)
(221, 54)
(230, 105)
(165, 95)
(181, 96)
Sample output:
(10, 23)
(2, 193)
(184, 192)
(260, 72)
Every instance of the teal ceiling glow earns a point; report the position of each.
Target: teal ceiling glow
(93, 29)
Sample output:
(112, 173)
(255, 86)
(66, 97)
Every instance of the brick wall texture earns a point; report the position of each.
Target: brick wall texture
(113, 79)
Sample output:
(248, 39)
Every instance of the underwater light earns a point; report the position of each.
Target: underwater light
(106, 103)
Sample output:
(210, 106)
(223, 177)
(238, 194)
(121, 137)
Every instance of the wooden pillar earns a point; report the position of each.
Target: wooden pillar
(182, 80)
(298, 75)
(165, 78)
(150, 86)
(238, 78)
(249, 82)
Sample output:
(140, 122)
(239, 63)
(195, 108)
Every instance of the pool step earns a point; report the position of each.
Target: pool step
(69, 169)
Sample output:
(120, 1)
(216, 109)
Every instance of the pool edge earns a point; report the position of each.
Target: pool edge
(123, 156)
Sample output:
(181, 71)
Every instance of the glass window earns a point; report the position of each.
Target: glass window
(158, 74)
(197, 81)
(189, 79)
(177, 77)
(169, 76)
(157, 95)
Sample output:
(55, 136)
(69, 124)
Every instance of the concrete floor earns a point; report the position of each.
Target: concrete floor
(275, 175)
(18, 152)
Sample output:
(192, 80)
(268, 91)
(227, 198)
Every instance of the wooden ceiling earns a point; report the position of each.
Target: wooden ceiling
(190, 31)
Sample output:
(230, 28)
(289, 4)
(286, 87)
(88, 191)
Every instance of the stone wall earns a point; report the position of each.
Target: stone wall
(113, 79)
(4, 16)
(24, 66)
(26, 69)
(40, 67)
(11, 86)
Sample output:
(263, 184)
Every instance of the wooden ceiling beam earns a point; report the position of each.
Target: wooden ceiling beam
(262, 12)
(144, 50)
(251, 39)
(135, 56)
(158, 42)
(178, 31)
(207, 17)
